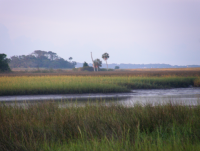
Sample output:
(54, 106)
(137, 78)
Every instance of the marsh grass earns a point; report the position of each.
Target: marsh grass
(45, 126)
(25, 85)
(197, 82)
(184, 72)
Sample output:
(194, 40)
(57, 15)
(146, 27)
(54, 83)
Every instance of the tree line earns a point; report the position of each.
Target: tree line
(43, 59)
(40, 59)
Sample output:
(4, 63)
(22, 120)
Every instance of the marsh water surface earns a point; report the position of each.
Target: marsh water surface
(185, 96)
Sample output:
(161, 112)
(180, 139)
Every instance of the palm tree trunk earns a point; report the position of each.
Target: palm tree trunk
(97, 69)
(107, 65)
(93, 62)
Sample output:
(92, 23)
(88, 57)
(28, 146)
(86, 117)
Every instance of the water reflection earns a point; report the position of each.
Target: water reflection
(184, 96)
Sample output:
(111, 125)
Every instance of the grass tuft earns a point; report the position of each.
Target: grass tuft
(45, 126)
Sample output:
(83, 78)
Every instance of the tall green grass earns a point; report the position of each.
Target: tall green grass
(197, 82)
(45, 126)
(24, 85)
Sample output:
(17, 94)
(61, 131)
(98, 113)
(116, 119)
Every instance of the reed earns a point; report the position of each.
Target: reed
(197, 82)
(26, 85)
(185, 72)
(45, 126)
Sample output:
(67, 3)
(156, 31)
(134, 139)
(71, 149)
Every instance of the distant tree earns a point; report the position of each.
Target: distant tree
(97, 63)
(40, 59)
(85, 64)
(4, 63)
(39, 53)
(116, 67)
(105, 56)
(52, 55)
(70, 58)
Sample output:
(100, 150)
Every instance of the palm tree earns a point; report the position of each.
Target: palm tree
(70, 58)
(97, 63)
(105, 56)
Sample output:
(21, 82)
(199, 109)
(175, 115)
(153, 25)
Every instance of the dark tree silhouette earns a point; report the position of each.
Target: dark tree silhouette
(116, 67)
(40, 59)
(105, 56)
(97, 63)
(4, 63)
(85, 64)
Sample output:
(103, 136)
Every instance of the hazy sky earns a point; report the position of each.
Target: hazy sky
(131, 31)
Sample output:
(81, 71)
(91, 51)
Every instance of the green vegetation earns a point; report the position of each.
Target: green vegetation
(24, 85)
(116, 67)
(85, 67)
(85, 64)
(40, 59)
(70, 58)
(97, 63)
(197, 82)
(45, 126)
(4, 63)
(105, 57)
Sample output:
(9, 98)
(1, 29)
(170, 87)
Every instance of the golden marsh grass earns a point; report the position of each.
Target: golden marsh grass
(23, 85)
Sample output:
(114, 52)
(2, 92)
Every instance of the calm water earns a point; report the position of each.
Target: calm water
(185, 96)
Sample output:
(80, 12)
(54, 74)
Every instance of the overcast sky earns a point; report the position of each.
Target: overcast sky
(131, 31)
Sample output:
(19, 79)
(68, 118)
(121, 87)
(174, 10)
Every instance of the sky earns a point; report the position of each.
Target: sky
(131, 31)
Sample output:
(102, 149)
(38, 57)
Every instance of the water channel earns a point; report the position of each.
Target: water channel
(184, 96)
